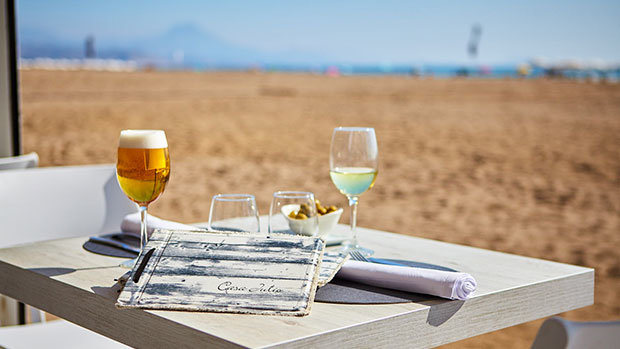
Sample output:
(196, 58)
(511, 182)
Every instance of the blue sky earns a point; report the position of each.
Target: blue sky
(378, 32)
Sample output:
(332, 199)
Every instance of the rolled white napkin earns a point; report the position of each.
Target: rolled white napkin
(131, 224)
(445, 284)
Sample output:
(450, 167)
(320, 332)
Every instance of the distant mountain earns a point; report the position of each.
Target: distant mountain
(188, 44)
(183, 45)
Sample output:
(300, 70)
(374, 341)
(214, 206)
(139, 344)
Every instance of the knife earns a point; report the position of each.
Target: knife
(114, 243)
(385, 261)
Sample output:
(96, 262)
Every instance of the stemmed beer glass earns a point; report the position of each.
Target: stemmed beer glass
(143, 169)
(353, 164)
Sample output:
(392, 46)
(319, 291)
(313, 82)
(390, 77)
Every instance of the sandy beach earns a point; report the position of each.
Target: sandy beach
(530, 167)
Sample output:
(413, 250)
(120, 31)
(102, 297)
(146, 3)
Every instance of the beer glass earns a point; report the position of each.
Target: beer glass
(353, 163)
(143, 169)
(234, 212)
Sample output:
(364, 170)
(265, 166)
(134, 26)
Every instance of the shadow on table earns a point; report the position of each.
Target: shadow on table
(110, 292)
(55, 271)
(52, 271)
(442, 311)
(349, 292)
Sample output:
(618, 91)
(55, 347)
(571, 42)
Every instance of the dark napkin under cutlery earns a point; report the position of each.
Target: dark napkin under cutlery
(110, 245)
(114, 243)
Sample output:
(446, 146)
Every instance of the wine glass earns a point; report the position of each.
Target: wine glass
(142, 170)
(234, 212)
(293, 212)
(353, 163)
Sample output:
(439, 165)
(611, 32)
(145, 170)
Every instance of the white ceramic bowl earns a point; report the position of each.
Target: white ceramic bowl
(327, 222)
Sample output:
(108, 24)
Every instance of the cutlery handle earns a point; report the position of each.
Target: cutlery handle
(140, 269)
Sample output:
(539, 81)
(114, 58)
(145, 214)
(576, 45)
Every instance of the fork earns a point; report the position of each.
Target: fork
(357, 256)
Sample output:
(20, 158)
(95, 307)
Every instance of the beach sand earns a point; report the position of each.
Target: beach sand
(530, 167)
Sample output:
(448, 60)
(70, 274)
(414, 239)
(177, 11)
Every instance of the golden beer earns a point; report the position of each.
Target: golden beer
(143, 169)
(143, 166)
(143, 173)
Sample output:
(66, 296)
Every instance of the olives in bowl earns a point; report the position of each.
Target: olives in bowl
(297, 215)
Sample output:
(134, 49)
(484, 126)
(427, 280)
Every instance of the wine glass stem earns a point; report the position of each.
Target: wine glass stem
(143, 229)
(353, 205)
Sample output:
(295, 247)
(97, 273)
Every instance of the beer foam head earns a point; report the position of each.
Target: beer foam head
(143, 139)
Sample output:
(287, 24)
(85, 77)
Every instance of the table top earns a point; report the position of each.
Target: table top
(61, 278)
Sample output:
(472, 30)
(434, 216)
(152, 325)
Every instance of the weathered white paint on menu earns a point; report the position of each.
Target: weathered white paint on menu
(228, 272)
(331, 263)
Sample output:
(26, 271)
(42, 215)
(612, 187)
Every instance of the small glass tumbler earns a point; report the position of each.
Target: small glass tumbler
(293, 212)
(234, 212)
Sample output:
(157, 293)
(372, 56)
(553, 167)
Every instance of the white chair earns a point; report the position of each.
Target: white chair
(9, 306)
(53, 203)
(60, 202)
(19, 162)
(53, 334)
(560, 333)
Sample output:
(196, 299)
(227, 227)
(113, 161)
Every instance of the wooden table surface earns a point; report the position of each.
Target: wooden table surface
(63, 279)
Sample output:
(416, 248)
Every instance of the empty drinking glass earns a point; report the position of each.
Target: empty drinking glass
(293, 212)
(234, 212)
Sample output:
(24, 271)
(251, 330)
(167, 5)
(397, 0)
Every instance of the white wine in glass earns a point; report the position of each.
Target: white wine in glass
(143, 170)
(353, 180)
(353, 163)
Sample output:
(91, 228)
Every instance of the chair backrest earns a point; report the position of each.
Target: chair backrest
(59, 202)
(560, 333)
(19, 162)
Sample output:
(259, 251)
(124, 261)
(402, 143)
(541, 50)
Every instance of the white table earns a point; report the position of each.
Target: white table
(63, 279)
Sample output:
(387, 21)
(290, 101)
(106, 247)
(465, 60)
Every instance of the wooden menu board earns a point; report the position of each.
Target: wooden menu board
(330, 265)
(226, 272)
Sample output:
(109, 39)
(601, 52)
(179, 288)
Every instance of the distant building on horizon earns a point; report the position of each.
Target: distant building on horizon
(89, 47)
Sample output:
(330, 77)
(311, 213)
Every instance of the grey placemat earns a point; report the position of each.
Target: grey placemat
(112, 251)
(349, 292)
